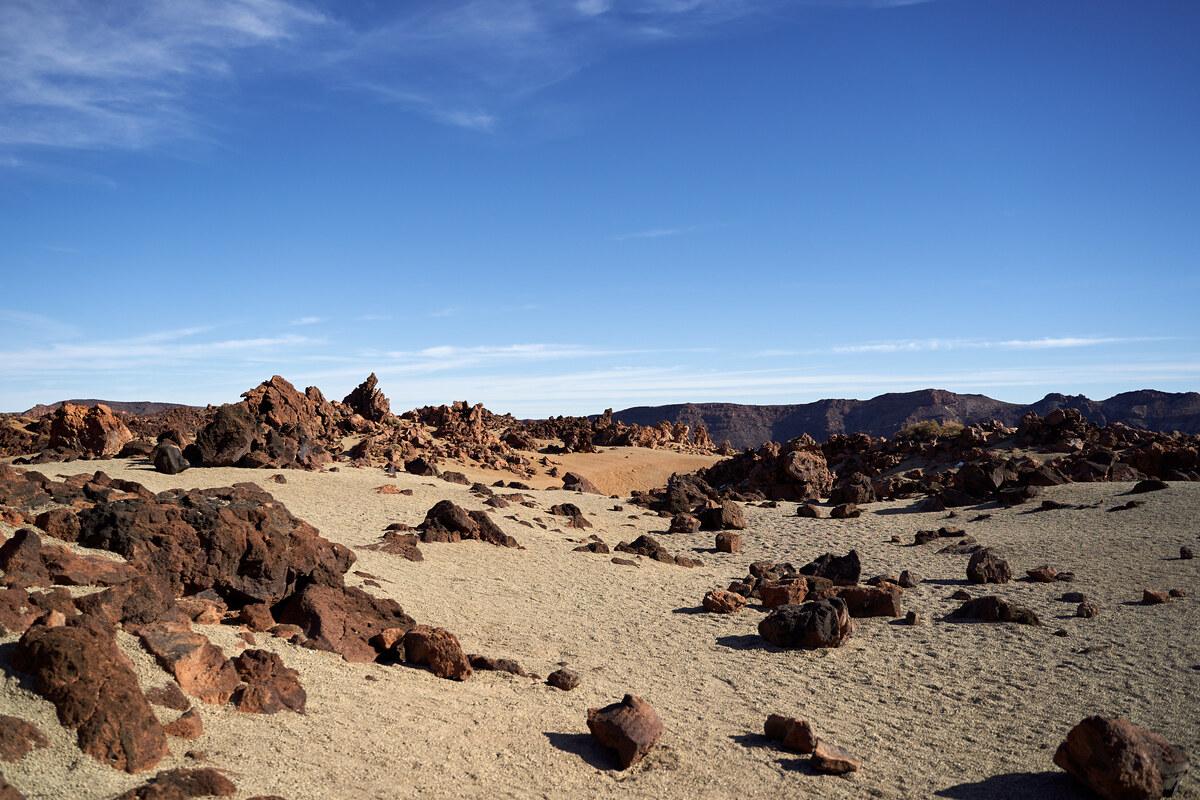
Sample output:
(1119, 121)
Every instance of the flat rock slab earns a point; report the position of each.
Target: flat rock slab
(833, 760)
(182, 784)
(630, 727)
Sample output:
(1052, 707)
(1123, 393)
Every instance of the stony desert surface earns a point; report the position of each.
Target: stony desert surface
(942, 709)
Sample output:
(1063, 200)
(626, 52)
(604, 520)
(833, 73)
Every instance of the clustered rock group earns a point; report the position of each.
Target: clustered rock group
(236, 556)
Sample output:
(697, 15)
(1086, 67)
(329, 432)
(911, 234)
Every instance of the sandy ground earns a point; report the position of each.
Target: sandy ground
(954, 710)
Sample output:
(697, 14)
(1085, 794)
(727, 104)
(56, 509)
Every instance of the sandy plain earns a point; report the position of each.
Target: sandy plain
(944, 709)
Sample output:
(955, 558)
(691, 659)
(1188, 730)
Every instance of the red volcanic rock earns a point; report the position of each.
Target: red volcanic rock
(573, 481)
(872, 601)
(399, 544)
(169, 696)
(61, 523)
(994, 609)
(21, 560)
(833, 760)
(853, 490)
(631, 727)
(809, 510)
(8, 791)
(842, 570)
(488, 664)
(564, 679)
(845, 511)
(1042, 574)
(822, 623)
(182, 784)
(728, 542)
(795, 734)
(201, 668)
(438, 649)
(726, 517)
(1120, 761)
(782, 592)
(722, 602)
(342, 620)
(1152, 596)
(139, 601)
(684, 523)
(368, 401)
(270, 686)
(238, 541)
(20, 608)
(188, 725)
(986, 566)
(807, 472)
(93, 430)
(168, 458)
(18, 737)
(446, 522)
(79, 668)
(257, 617)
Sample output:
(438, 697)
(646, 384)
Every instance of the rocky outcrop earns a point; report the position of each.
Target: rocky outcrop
(368, 401)
(342, 619)
(447, 522)
(93, 431)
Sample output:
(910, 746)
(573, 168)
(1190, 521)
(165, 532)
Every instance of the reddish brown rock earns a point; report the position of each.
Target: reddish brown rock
(630, 727)
(8, 791)
(1042, 574)
(1087, 610)
(94, 430)
(795, 734)
(726, 517)
(169, 696)
(438, 649)
(1178, 593)
(257, 617)
(809, 510)
(368, 401)
(183, 784)
(722, 602)
(564, 679)
(908, 580)
(199, 666)
(1153, 596)
(18, 737)
(845, 511)
(684, 523)
(138, 602)
(782, 592)
(912, 618)
(872, 601)
(446, 522)
(79, 668)
(270, 686)
(807, 470)
(986, 566)
(1120, 761)
(489, 664)
(647, 546)
(729, 542)
(187, 726)
(994, 609)
(61, 523)
(842, 570)
(833, 760)
(822, 623)
(342, 620)
(573, 481)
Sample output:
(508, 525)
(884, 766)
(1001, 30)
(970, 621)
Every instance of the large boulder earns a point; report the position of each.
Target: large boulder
(438, 649)
(94, 430)
(225, 440)
(842, 570)
(808, 472)
(79, 668)
(855, 489)
(986, 566)
(822, 623)
(447, 522)
(1120, 761)
(726, 517)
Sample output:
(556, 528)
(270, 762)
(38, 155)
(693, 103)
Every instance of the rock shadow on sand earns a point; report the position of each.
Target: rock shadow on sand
(584, 746)
(747, 641)
(1052, 785)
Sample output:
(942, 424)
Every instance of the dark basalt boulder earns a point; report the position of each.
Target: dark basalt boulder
(822, 623)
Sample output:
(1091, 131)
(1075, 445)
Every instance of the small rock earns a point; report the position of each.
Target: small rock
(1185, 553)
(833, 760)
(1087, 610)
(1042, 574)
(1177, 593)
(18, 737)
(1155, 596)
(795, 734)
(1149, 485)
(564, 679)
(912, 618)
(809, 510)
(684, 523)
(438, 649)
(182, 784)
(822, 623)
(729, 542)
(188, 726)
(908, 580)
(961, 594)
(722, 602)
(986, 566)
(845, 511)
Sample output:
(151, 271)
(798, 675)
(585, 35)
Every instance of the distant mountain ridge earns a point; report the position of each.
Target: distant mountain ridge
(132, 407)
(751, 425)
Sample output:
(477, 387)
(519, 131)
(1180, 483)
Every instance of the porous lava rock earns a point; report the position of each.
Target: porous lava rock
(168, 458)
(368, 401)
(630, 727)
(994, 609)
(447, 522)
(987, 566)
(842, 570)
(270, 686)
(564, 679)
(341, 619)
(93, 430)
(439, 650)
(18, 737)
(78, 668)
(882, 600)
(199, 666)
(821, 623)
(726, 517)
(795, 734)
(719, 601)
(1120, 761)
(182, 784)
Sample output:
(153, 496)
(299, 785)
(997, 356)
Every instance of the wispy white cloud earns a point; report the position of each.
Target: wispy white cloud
(306, 321)
(654, 233)
(928, 345)
(75, 73)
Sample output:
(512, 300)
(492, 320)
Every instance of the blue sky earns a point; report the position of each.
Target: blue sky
(557, 207)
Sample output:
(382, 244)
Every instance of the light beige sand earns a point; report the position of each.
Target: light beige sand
(966, 710)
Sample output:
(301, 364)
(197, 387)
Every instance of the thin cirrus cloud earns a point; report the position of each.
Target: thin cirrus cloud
(929, 345)
(122, 74)
(653, 233)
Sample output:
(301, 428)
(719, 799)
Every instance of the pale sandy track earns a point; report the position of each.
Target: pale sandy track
(941, 710)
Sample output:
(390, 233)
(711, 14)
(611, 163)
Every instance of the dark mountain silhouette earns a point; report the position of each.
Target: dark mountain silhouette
(120, 406)
(751, 425)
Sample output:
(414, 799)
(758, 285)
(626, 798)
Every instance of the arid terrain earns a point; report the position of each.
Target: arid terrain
(943, 708)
